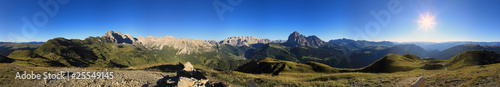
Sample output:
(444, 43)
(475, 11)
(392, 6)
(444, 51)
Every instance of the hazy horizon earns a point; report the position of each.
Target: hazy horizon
(385, 20)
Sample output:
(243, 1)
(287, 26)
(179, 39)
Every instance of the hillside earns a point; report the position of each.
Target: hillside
(273, 51)
(394, 63)
(269, 65)
(23, 54)
(473, 57)
(6, 49)
(327, 54)
(69, 52)
(366, 56)
(236, 52)
(387, 64)
(4, 59)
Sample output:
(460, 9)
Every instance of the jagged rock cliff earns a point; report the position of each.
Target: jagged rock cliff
(189, 46)
(188, 77)
(185, 46)
(296, 40)
(118, 37)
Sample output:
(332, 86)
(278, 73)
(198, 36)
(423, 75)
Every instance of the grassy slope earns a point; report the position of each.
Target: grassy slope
(485, 75)
(474, 57)
(274, 66)
(318, 79)
(409, 67)
(393, 63)
(387, 64)
(327, 54)
(235, 52)
(473, 76)
(28, 58)
(368, 55)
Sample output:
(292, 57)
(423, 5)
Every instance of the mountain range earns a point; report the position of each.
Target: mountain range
(115, 49)
(446, 45)
(298, 61)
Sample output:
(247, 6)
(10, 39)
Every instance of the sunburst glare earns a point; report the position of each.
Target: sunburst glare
(427, 22)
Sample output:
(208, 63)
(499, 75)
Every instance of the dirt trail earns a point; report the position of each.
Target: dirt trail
(408, 81)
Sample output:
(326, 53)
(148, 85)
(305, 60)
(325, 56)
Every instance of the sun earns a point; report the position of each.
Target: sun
(427, 22)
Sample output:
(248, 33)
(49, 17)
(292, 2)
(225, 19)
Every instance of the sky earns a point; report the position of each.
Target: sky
(375, 20)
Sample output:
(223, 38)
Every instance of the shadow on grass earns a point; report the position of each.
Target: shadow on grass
(167, 68)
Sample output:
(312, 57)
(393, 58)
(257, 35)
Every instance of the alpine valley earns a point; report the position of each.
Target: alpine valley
(243, 60)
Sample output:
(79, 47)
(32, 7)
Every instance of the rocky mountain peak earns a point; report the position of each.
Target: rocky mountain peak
(296, 39)
(118, 37)
(296, 33)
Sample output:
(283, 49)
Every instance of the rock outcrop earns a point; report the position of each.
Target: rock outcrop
(212, 42)
(118, 37)
(188, 77)
(297, 40)
(244, 40)
(185, 46)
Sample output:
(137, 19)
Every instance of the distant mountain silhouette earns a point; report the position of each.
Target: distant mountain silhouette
(448, 53)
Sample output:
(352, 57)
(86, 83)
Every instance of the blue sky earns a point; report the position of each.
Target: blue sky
(456, 20)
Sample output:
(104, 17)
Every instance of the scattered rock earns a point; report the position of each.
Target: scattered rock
(189, 77)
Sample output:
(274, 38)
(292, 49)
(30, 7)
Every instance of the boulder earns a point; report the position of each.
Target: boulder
(188, 67)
